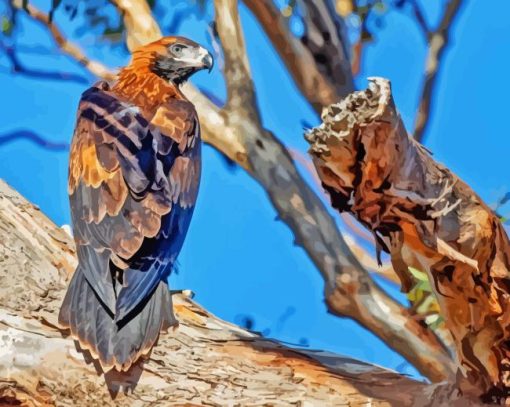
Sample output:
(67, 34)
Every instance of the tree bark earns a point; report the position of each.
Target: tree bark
(205, 361)
(426, 218)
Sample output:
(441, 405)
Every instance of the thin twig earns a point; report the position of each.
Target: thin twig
(34, 138)
(419, 17)
(438, 41)
(67, 47)
(18, 67)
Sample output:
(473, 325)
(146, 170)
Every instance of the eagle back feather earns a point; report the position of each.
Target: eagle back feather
(133, 182)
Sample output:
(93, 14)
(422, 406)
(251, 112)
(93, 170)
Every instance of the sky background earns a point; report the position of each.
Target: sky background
(237, 258)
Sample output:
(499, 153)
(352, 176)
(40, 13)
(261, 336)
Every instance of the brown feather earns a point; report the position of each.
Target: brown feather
(135, 155)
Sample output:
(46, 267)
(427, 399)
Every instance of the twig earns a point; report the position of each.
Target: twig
(19, 68)
(357, 51)
(438, 41)
(34, 138)
(419, 17)
(67, 47)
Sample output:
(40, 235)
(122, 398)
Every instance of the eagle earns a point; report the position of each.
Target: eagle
(134, 173)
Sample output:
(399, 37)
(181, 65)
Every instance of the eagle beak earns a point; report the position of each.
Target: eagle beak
(208, 62)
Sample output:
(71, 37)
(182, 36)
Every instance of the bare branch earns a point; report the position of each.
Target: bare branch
(215, 128)
(326, 38)
(141, 28)
(317, 88)
(349, 289)
(19, 68)
(419, 17)
(67, 47)
(241, 93)
(438, 41)
(34, 138)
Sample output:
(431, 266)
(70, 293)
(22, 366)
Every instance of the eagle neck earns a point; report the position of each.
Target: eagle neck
(145, 89)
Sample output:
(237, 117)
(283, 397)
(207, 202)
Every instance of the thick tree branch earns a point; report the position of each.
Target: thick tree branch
(141, 28)
(204, 361)
(438, 42)
(216, 132)
(241, 93)
(427, 218)
(349, 289)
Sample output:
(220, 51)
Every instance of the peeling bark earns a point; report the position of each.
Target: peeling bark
(427, 218)
(205, 361)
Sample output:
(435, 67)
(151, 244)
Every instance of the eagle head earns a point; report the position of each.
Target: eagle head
(174, 59)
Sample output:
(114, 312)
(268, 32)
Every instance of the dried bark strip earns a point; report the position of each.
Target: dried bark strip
(427, 218)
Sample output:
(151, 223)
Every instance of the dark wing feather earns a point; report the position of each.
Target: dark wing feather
(132, 189)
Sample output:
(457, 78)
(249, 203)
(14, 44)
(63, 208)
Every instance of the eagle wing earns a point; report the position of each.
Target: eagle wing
(132, 189)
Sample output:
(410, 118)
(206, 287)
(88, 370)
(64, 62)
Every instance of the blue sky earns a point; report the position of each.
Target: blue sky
(237, 258)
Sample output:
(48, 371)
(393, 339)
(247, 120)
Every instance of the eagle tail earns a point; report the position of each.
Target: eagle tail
(115, 344)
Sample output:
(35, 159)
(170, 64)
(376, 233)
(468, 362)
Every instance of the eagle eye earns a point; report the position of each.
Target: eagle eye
(177, 49)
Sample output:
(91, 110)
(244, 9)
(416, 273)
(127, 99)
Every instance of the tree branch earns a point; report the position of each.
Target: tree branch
(34, 138)
(326, 38)
(438, 42)
(241, 93)
(300, 62)
(205, 361)
(428, 219)
(216, 132)
(141, 28)
(67, 47)
(18, 68)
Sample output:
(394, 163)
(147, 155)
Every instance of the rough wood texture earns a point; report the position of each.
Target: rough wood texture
(205, 361)
(427, 218)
